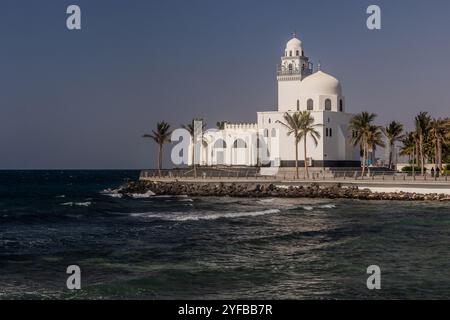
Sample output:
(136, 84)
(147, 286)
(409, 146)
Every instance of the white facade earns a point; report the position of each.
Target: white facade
(299, 89)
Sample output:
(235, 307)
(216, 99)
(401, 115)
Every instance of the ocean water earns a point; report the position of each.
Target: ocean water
(206, 248)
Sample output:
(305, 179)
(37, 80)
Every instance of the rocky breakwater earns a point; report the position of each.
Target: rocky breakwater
(269, 190)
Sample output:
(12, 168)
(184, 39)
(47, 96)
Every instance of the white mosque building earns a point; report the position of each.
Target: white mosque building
(266, 143)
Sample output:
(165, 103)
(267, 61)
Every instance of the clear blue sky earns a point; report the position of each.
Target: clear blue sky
(82, 99)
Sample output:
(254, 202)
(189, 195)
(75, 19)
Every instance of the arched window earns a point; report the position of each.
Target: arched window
(220, 144)
(298, 105)
(290, 53)
(326, 132)
(266, 132)
(239, 143)
(298, 53)
(341, 105)
(331, 133)
(274, 132)
(328, 104)
(270, 121)
(310, 104)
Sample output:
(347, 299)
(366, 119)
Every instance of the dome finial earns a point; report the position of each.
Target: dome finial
(319, 66)
(294, 34)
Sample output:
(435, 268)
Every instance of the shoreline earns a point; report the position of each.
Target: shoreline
(286, 189)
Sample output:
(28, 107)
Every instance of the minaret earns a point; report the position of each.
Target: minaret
(293, 68)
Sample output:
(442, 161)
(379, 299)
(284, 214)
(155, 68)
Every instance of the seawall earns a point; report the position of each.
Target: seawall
(290, 189)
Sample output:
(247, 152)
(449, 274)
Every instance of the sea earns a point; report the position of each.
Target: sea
(163, 247)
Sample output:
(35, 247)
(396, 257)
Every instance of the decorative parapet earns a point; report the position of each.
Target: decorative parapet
(241, 126)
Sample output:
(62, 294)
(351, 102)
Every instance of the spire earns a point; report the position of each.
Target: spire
(294, 34)
(319, 66)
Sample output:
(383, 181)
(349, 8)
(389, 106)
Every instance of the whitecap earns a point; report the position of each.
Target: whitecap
(148, 194)
(327, 206)
(269, 200)
(308, 208)
(81, 204)
(114, 193)
(207, 216)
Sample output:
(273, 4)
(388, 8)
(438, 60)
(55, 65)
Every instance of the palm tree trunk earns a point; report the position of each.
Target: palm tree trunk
(422, 158)
(296, 158)
(363, 160)
(160, 158)
(390, 155)
(306, 165)
(439, 154)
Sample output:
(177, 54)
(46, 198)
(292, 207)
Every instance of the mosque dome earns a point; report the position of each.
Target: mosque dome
(294, 44)
(320, 83)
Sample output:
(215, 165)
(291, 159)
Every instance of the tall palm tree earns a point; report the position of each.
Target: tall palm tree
(190, 127)
(300, 125)
(422, 123)
(360, 127)
(161, 136)
(393, 133)
(408, 146)
(438, 136)
(374, 139)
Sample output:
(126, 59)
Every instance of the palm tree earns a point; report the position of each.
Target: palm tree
(360, 127)
(161, 136)
(190, 127)
(374, 139)
(438, 136)
(408, 146)
(422, 123)
(393, 133)
(221, 124)
(300, 125)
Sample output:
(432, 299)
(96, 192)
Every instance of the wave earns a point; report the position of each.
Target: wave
(209, 216)
(114, 193)
(148, 194)
(312, 207)
(327, 206)
(80, 204)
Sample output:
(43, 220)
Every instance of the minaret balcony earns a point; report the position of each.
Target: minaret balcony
(282, 71)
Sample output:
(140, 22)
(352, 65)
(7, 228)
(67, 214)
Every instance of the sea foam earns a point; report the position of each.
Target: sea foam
(206, 216)
(80, 204)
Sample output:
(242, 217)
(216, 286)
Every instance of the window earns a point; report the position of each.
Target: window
(326, 132)
(274, 132)
(330, 133)
(239, 143)
(298, 105)
(270, 121)
(290, 53)
(341, 105)
(328, 104)
(310, 104)
(290, 66)
(298, 53)
(220, 144)
(266, 132)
